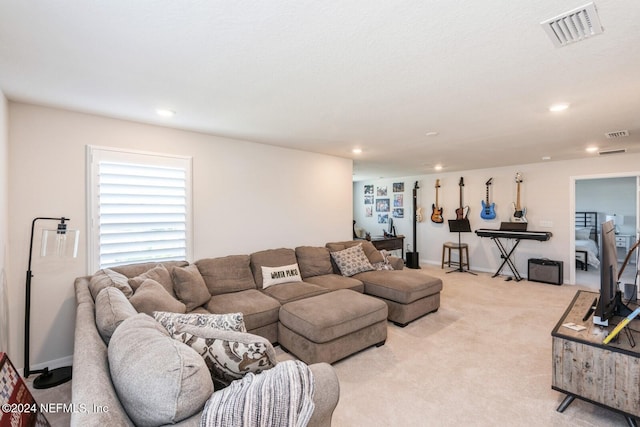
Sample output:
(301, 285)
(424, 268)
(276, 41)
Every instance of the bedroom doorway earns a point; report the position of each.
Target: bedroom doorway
(596, 200)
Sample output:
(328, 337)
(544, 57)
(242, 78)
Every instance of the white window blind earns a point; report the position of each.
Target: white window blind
(141, 208)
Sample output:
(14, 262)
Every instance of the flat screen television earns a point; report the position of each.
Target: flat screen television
(610, 301)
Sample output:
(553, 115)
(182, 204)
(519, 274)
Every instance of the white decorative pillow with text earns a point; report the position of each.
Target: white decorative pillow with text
(283, 274)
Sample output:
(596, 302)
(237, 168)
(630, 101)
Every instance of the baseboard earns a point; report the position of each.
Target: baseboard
(51, 364)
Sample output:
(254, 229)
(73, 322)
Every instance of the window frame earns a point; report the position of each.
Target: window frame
(95, 154)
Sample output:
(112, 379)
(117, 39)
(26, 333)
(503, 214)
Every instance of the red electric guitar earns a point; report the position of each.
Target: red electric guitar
(463, 211)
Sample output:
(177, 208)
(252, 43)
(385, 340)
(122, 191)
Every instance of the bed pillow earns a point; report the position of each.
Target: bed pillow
(352, 260)
(583, 233)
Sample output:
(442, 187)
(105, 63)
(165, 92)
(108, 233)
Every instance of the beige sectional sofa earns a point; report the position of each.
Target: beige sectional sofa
(308, 308)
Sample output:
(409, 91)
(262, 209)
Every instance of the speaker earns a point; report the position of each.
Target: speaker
(412, 260)
(545, 271)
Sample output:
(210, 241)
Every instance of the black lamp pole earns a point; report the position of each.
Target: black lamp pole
(48, 378)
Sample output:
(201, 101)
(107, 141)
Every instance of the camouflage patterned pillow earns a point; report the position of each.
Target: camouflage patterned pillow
(224, 322)
(229, 355)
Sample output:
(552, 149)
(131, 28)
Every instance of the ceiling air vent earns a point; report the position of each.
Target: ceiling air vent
(616, 134)
(607, 152)
(573, 26)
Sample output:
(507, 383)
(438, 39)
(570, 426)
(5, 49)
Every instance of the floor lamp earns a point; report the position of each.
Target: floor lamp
(59, 246)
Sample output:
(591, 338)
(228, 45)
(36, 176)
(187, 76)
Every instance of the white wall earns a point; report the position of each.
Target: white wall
(547, 193)
(609, 196)
(4, 220)
(247, 197)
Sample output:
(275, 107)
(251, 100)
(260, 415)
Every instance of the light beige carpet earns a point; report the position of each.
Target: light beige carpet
(484, 359)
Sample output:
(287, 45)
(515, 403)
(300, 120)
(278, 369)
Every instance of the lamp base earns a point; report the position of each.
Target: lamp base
(52, 378)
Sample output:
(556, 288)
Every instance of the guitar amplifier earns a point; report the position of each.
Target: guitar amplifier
(545, 271)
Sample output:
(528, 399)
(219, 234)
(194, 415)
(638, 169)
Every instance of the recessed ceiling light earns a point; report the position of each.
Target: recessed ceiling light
(546, 157)
(591, 149)
(556, 108)
(432, 133)
(356, 150)
(164, 112)
(438, 167)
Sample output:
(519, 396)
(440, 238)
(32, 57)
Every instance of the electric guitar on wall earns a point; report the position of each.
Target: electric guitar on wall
(519, 214)
(436, 214)
(488, 209)
(463, 211)
(419, 216)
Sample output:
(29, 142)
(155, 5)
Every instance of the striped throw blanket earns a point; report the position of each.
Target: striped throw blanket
(281, 396)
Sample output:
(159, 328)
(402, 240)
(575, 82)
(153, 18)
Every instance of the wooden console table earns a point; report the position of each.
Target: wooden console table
(389, 243)
(583, 367)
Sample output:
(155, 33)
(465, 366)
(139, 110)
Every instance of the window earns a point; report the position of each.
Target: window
(139, 207)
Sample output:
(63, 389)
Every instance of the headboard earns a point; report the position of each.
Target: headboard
(590, 220)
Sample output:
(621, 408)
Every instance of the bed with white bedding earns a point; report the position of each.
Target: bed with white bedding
(587, 238)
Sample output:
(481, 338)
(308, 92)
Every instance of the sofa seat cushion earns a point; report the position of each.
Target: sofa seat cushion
(287, 292)
(326, 317)
(226, 274)
(159, 380)
(402, 286)
(333, 282)
(257, 308)
(313, 261)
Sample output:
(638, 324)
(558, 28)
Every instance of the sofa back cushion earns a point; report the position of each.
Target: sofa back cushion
(226, 274)
(133, 270)
(313, 261)
(112, 308)
(159, 380)
(160, 274)
(109, 278)
(370, 251)
(270, 258)
(189, 286)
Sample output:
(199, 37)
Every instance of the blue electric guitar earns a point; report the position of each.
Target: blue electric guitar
(488, 209)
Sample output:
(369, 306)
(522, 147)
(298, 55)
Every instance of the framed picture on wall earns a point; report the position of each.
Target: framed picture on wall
(398, 212)
(398, 200)
(368, 211)
(368, 189)
(382, 191)
(398, 187)
(383, 218)
(382, 205)
(368, 199)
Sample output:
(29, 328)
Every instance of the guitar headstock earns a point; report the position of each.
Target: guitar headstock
(437, 183)
(461, 183)
(489, 182)
(415, 186)
(518, 177)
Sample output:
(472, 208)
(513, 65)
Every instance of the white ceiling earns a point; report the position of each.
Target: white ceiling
(328, 76)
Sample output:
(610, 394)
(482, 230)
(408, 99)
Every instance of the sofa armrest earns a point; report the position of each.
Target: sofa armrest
(326, 396)
(396, 263)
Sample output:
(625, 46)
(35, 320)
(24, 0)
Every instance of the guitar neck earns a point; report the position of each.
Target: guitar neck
(518, 199)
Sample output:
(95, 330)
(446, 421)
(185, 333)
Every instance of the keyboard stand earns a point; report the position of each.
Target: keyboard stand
(507, 258)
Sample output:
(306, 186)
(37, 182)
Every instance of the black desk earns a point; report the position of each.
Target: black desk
(389, 243)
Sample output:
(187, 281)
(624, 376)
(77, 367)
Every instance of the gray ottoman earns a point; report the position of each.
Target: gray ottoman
(332, 326)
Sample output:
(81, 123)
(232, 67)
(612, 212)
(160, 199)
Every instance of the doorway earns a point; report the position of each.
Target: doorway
(610, 197)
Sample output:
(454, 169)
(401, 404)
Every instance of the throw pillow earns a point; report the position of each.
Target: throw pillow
(583, 233)
(284, 274)
(229, 355)
(158, 380)
(152, 296)
(112, 308)
(282, 396)
(107, 277)
(223, 322)
(189, 286)
(159, 273)
(383, 265)
(352, 260)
